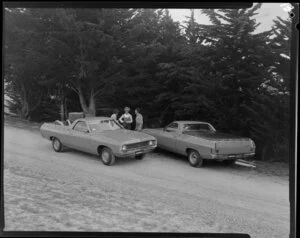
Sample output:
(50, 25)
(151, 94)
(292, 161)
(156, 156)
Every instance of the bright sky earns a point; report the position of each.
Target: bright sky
(266, 14)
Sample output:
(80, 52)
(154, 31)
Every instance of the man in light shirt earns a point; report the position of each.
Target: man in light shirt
(138, 120)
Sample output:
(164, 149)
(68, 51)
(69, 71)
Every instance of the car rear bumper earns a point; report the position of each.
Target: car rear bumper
(132, 153)
(232, 156)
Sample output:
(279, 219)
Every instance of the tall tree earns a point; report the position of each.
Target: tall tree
(98, 59)
(25, 59)
(193, 31)
(280, 43)
(153, 41)
(85, 44)
(241, 60)
(229, 84)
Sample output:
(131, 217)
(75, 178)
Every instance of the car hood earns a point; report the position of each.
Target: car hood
(153, 129)
(124, 136)
(215, 135)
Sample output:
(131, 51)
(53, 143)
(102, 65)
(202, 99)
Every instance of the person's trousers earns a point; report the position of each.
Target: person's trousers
(127, 125)
(138, 127)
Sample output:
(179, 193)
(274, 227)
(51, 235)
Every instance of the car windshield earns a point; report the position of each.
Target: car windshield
(197, 127)
(104, 125)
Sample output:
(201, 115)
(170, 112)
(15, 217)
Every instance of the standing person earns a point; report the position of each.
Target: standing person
(115, 115)
(138, 120)
(126, 119)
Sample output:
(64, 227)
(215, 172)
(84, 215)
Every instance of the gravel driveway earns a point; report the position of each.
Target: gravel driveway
(74, 191)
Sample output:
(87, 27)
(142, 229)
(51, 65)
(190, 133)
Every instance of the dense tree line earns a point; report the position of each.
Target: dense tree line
(94, 60)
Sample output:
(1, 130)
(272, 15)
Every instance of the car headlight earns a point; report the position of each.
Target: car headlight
(152, 142)
(124, 147)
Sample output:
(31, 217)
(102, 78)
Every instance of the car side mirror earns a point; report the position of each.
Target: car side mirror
(86, 131)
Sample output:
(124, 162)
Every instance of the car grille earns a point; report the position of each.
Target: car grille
(137, 145)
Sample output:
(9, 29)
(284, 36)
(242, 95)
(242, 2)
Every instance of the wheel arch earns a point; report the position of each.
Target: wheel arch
(203, 151)
(188, 149)
(100, 147)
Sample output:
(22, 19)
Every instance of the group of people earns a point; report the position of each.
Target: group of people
(126, 118)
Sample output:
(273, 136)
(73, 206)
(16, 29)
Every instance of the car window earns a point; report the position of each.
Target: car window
(172, 127)
(80, 126)
(105, 125)
(197, 127)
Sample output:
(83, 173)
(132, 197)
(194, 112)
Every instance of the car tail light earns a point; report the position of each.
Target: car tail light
(216, 150)
(252, 145)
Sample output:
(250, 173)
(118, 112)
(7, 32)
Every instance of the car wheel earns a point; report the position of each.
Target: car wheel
(107, 156)
(57, 145)
(195, 159)
(229, 162)
(139, 157)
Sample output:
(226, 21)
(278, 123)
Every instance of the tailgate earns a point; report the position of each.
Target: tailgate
(234, 146)
(49, 129)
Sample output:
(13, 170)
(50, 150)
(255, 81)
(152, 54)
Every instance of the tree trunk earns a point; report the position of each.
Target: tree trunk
(65, 109)
(62, 111)
(24, 110)
(90, 109)
(163, 114)
(92, 106)
(24, 107)
(82, 101)
(263, 153)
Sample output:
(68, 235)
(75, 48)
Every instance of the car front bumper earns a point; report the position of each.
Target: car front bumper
(134, 152)
(232, 156)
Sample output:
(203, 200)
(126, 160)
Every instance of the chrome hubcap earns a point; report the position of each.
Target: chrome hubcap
(56, 144)
(105, 156)
(193, 158)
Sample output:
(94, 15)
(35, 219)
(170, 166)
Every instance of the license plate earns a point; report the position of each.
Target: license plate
(139, 153)
(231, 156)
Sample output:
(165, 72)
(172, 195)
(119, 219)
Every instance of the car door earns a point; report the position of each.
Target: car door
(168, 137)
(79, 137)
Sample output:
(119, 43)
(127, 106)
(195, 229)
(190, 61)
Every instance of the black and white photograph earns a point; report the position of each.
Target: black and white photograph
(153, 120)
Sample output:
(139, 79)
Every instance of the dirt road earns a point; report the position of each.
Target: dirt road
(73, 191)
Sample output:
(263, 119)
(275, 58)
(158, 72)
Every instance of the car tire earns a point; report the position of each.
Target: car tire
(107, 156)
(140, 157)
(229, 162)
(57, 145)
(194, 158)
